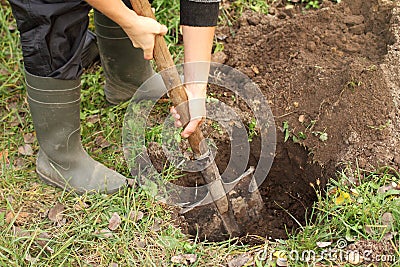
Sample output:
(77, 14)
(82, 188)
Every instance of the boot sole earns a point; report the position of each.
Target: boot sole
(63, 186)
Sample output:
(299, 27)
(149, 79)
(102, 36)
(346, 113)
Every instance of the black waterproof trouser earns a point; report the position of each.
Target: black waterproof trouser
(52, 34)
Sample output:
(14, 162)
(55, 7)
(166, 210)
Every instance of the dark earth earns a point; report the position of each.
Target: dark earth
(333, 77)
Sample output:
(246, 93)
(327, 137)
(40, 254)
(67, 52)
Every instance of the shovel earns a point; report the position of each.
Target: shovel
(210, 174)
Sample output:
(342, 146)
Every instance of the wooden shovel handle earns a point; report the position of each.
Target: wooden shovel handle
(171, 78)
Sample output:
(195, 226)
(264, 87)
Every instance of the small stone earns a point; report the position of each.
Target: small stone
(219, 57)
(354, 258)
(302, 118)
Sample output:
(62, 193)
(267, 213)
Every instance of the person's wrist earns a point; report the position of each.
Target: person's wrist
(127, 19)
(196, 90)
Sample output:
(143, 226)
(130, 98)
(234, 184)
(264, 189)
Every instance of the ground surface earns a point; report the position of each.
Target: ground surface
(330, 77)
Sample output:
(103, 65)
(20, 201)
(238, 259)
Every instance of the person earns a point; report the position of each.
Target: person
(52, 36)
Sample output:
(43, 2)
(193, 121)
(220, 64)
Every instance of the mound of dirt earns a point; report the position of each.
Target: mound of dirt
(332, 76)
(332, 79)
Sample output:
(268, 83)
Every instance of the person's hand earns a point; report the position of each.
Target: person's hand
(142, 32)
(197, 108)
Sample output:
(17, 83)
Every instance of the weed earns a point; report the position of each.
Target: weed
(381, 127)
(252, 129)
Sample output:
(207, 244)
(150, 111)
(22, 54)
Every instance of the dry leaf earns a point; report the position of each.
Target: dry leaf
(114, 222)
(323, 244)
(239, 261)
(141, 243)
(30, 259)
(387, 220)
(106, 233)
(80, 205)
(19, 232)
(29, 138)
(4, 155)
(101, 142)
(389, 236)
(156, 225)
(383, 189)
(136, 216)
(368, 230)
(18, 163)
(26, 150)
(302, 118)
(22, 217)
(184, 259)
(56, 213)
(93, 118)
(43, 240)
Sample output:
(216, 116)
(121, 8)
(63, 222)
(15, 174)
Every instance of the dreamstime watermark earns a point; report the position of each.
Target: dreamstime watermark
(338, 253)
(225, 116)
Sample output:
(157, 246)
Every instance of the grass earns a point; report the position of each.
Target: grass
(351, 207)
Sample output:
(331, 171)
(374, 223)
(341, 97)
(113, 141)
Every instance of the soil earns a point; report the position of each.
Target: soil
(333, 76)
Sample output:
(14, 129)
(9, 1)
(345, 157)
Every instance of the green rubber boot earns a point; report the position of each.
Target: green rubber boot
(62, 161)
(124, 67)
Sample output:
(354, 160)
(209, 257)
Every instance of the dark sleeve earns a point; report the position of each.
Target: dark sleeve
(199, 14)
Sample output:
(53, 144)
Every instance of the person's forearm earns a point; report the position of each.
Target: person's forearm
(115, 10)
(197, 43)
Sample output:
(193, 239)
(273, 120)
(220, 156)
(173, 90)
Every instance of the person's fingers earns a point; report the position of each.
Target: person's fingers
(148, 51)
(163, 29)
(178, 123)
(190, 128)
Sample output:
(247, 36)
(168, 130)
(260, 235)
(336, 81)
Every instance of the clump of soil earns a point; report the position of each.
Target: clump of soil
(332, 76)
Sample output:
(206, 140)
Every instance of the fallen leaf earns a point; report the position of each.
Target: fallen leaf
(369, 230)
(106, 233)
(29, 138)
(114, 222)
(4, 156)
(21, 217)
(156, 225)
(19, 232)
(323, 244)
(43, 240)
(93, 118)
(302, 118)
(383, 189)
(387, 220)
(18, 163)
(239, 260)
(30, 259)
(81, 205)
(56, 213)
(184, 259)
(25, 150)
(141, 243)
(136, 216)
(101, 142)
(389, 236)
